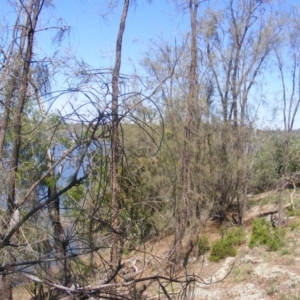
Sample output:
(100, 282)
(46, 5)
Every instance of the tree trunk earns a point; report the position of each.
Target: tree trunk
(181, 206)
(11, 72)
(115, 144)
(60, 243)
(32, 13)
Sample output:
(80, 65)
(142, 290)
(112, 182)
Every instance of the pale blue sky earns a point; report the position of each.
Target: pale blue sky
(92, 36)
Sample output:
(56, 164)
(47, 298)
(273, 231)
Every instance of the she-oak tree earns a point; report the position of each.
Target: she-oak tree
(60, 228)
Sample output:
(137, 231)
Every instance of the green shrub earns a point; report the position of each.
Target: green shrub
(203, 245)
(221, 249)
(264, 234)
(273, 289)
(226, 245)
(235, 236)
(267, 161)
(260, 233)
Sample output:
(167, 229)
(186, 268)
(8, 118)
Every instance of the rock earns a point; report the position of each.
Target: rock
(224, 270)
(247, 259)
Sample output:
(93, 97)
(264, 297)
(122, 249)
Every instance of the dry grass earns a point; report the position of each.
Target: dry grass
(154, 258)
(20, 293)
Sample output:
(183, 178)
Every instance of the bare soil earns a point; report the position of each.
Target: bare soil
(253, 274)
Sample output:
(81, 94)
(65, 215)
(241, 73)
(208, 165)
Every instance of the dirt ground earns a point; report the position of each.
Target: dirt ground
(253, 274)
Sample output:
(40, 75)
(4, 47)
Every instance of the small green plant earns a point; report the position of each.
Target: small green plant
(285, 297)
(264, 234)
(296, 297)
(293, 225)
(203, 245)
(36, 291)
(293, 212)
(226, 245)
(242, 272)
(31, 288)
(273, 289)
(293, 285)
(285, 252)
(126, 251)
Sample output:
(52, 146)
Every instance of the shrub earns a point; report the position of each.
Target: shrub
(235, 236)
(226, 245)
(203, 245)
(266, 164)
(264, 234)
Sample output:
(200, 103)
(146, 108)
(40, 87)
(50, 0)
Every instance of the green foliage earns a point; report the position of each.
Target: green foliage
(264, 234)
(203, 245)
(294, 297)
(84, 267)
(32, 289)
(126, 251)
(137, 220)
(293, 212)
(268, 161)
(50, 181)
(39, 135)
(260, 233)
(293, 163)
(266, 165)
(142, 182)
(76, 193)
(226, 245)
(37, 292)
(273, 289)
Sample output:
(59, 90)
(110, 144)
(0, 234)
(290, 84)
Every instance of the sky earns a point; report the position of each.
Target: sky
(93, 33)
(93, 30)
